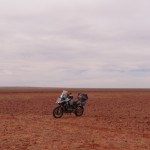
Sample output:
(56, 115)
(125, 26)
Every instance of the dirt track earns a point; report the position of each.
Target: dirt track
(113, 119)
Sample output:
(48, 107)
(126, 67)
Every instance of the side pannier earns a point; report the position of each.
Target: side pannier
(82, 97)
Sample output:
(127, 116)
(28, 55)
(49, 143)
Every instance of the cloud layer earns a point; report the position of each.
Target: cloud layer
(101, 43)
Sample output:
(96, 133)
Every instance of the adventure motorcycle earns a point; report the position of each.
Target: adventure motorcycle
(66, 104)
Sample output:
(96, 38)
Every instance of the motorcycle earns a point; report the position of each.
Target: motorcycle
(66, 104)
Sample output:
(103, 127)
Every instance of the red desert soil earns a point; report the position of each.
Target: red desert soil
(114, 119)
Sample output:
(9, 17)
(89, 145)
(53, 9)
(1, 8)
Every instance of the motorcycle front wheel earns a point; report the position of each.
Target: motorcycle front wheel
(79, 111)
(58, 112)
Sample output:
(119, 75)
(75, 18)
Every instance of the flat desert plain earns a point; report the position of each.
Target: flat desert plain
(114, 119)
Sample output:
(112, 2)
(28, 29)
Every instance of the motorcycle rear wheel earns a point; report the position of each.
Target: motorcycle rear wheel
(58, 112)
(79, 111)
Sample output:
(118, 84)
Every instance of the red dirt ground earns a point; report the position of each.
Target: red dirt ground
(113, 120)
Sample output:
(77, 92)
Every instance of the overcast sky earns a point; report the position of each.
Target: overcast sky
(75, 43)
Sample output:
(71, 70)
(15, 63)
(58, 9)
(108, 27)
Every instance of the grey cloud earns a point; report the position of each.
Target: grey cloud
(74, 42)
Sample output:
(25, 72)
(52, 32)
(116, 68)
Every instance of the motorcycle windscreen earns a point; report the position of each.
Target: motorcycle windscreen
(64, 94)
